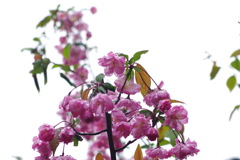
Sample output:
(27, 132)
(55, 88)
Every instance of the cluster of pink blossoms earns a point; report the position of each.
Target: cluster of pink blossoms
(86, 116)
(77, 33)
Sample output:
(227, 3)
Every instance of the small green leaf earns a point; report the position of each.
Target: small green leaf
(146, 112)
(100, 77)
(137, 56)
(36, 82)
(235, 108)
(66, 78)
(109, 86)
(37, 67)
(231, 82)
(235, 53)
(44, 22)
(172, 136)
(37, 39)
(236, 64)
(163, 142)
(124, 55)
(75, 141)
(67, 51)
(214, 71)
(102, 89)
(28, 49)
(66, 68)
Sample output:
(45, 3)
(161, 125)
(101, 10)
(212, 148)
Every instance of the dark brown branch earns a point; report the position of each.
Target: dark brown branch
(129, 142)
(110, 136)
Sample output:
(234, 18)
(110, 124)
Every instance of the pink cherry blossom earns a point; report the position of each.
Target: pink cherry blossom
(183, 150)
(128, 105)
(66, 135)
(101, 103)
(43, 147)
(118, 116)
(164, 105)
(129, 88)
(63, 40)
(153, 98)
(76, 16)
(152, 134)
(77, 107)
(113, 64)
(46, 132)
(88, 35)
(122, 129)
(63, 158)
(93, 10)
(64, 105)
(140, 125)
(158, 153)
(41, 158)
(79, 76)
(176, 117)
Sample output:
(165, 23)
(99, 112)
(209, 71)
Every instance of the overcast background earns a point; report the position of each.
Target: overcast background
(177, 34)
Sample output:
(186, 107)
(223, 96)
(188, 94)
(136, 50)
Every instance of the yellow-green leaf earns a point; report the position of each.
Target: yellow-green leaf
(175, 101)
(161, 132)
(214, 71)
(235, 108)
(235, 53)
(138, 153)
(231, 82)
(85, 94)
(99, 157)
(142, 78)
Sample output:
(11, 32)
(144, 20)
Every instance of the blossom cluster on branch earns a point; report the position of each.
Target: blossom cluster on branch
(107, 114)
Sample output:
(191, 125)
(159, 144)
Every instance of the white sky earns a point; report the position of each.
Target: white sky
(176, 33)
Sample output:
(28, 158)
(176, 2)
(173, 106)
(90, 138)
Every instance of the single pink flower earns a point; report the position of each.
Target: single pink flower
(88, 35)
(128, 105)
(63, 40)
(176, 117)
(152, 134)
(41, 158)
(129, 88)
(64, 105)
(122, 129)
(118, 116)
(77, 107)
(113, 64)
(153, 98)
(63, 158)
(140, 125)
(164, 105)
(79, 76)
(76, 16)
(46, 132)
(101, 103)
(66, 135)
(93, 10)
(158, 153)
(43, 147)
(183, 150)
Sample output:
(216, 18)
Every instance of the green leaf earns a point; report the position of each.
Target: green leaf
(37, 67)
(66, 68)
(235, 53)
(28, 49)
(124, 55)
(235, 108)
(236, 64)
(36, 82)
(37, 39)
(66, 78)
(137, 56)
(109, 86)
(214, 71)
(102, 89)
(67, 51)
(75, 141)
(162, 131)
(163, 142)
(146, 112)
(44, 22)
(231, 82)
(100, 77)
(172, 136)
